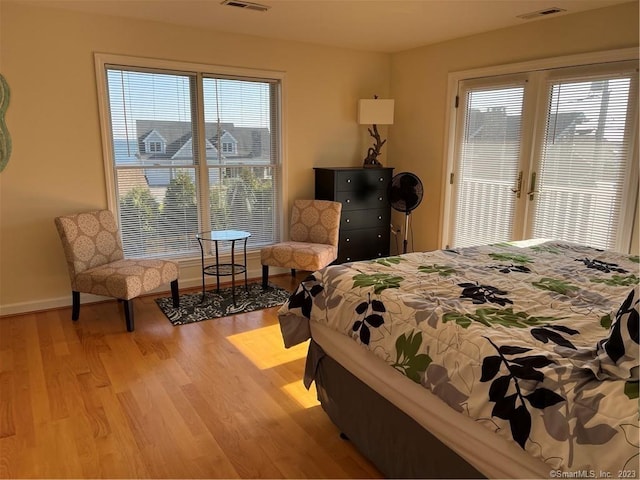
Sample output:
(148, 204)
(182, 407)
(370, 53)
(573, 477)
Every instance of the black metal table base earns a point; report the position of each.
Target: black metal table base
(218, 269)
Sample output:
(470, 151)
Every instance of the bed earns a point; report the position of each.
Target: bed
(497, 361)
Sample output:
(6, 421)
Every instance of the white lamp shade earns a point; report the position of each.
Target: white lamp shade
(375, 112)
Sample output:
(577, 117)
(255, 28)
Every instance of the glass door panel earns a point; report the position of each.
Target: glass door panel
(488, 172)
(584, 161)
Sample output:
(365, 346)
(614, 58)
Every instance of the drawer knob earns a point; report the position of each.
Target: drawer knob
(348, 220)
(348, 180)
(381, 179)
(380, 198)
(379, 217)
(379, 236)
(347, 201)
(348, 259)
(347, 239)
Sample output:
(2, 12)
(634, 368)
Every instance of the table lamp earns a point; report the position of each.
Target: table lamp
(375, 112)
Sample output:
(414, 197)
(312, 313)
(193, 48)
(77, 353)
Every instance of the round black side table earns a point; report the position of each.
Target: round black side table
(218, 269)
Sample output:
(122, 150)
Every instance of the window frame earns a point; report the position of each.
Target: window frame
(593, 59)
(102, 61)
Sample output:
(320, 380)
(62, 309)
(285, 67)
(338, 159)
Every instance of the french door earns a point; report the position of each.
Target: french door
(546, 154)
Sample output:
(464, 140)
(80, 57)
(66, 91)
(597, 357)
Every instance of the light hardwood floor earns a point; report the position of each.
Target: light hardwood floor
(215, 399)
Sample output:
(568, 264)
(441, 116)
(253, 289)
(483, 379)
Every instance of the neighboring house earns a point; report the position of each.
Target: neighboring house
(496, 123)
(495, 130)
(164, 143)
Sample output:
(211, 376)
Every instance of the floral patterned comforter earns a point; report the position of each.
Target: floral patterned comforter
(538, 344)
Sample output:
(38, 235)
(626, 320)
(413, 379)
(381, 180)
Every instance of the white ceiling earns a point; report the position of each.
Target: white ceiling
(373, 25)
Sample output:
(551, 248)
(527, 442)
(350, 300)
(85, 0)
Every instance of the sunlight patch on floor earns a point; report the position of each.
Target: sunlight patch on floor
(297, 391)
(265, 348)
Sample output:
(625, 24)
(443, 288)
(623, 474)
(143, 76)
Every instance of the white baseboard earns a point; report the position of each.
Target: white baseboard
(62, 302)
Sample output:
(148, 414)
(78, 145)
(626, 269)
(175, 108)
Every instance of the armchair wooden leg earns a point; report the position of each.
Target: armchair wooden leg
(175, 294)
(293, 272)
(128, 314)
(75, 305)
(265, 276)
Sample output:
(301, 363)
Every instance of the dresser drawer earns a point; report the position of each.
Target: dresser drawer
(363, 180)
(354, 219)
(374, 199)
(363, 244)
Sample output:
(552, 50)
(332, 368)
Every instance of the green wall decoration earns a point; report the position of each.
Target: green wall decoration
(5, 138)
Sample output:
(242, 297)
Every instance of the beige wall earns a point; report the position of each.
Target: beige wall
(56, 167)
(419, 86)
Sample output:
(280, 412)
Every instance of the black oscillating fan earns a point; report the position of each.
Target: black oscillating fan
(405, 194)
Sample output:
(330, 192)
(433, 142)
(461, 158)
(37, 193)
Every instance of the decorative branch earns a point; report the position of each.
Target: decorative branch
(374, 152)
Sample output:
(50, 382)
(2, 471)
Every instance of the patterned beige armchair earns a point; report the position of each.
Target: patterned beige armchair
(314, 229)
(97, 265)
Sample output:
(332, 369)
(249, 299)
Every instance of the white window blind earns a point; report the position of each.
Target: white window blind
(488, 164)
(242, 173)
(584, 159)
(166, 191)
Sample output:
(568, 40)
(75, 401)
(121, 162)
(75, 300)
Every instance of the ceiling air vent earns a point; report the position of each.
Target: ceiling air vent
(541, 13)
(246, 5)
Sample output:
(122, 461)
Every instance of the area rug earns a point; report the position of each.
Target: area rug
(216, 305)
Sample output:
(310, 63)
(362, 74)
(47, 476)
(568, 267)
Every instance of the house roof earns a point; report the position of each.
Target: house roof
(252, 142)
(496, 126)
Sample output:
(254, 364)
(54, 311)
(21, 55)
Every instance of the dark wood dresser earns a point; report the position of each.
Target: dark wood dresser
(366, 214)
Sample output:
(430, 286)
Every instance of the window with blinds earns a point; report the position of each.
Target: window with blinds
(192, 152)
(584, 160)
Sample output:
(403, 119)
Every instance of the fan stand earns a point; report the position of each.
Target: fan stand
(406, 230)
(405, 194)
